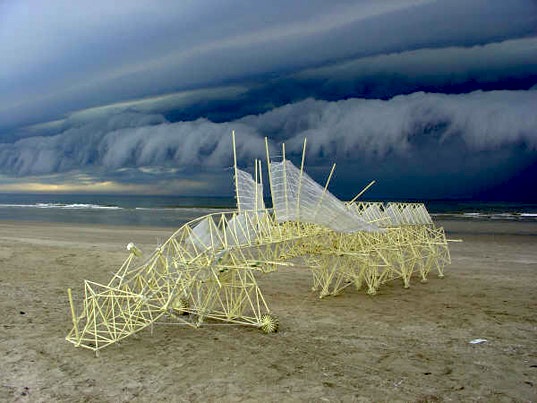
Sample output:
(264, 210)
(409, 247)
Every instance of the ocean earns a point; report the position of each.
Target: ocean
(159, 211)
(173, 211)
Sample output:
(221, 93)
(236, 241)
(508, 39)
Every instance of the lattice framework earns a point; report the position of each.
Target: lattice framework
(208, 269)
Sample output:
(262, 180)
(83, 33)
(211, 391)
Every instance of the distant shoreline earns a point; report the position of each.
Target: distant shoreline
(173, 212)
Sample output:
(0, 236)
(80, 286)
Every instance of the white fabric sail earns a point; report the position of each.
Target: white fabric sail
(373, 212)
(297, 197)
(249, 193)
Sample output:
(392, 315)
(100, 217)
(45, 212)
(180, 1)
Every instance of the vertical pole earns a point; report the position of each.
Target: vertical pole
(260, 170)
(300, 180)
(256, 190)
(269, 174)
(75, 322)
(235, 170)
(285, 182)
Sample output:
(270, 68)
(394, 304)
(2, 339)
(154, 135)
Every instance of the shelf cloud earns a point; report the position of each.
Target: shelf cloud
(134, 93)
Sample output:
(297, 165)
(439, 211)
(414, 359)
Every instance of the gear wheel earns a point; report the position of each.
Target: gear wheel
(269, 323)
(180, 305)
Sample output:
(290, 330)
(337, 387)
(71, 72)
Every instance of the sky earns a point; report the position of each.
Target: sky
(430, 98)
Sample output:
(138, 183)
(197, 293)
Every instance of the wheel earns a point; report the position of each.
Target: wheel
(269, 323)
(180, 305)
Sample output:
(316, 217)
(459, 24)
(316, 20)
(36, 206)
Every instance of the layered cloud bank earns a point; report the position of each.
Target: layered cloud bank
(59, 57)
(430, 96)
(343, 131)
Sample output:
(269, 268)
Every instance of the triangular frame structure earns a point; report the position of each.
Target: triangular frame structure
(208, 269)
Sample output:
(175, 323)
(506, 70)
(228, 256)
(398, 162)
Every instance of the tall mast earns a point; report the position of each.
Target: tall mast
(235, 170)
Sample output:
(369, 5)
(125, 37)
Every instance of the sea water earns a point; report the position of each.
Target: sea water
(160, 211)
(173, 211)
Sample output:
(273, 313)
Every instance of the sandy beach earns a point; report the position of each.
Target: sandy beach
(400, 345)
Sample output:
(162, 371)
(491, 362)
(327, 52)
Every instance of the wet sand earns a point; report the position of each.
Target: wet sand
(400, 345)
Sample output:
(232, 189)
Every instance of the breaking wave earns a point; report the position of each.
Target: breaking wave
(507, 216)
(73, 206)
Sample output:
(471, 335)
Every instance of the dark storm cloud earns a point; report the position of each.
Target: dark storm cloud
(408, 91)
(483, 121)
(451, 69)
(60, 57)
(342, 130)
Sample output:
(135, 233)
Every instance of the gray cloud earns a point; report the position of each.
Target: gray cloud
(449, 68)
(129, 93)
(510, 63)
(374, 130)
(61, 57)
(117, 142)
(483, 121)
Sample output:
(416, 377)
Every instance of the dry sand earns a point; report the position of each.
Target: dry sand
(400, 345)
